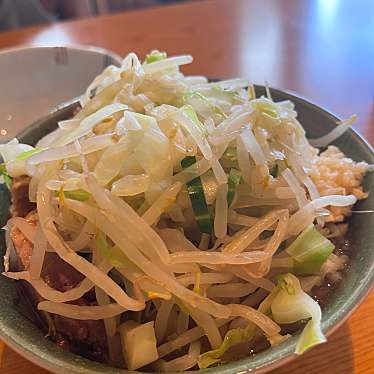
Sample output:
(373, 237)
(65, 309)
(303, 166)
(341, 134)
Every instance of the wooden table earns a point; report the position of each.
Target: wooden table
(321, 49)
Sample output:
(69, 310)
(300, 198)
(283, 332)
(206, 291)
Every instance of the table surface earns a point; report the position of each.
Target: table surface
(321, 49)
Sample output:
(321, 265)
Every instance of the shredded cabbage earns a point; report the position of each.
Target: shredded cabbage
(309, 251)
(292, 304)
(235, 336)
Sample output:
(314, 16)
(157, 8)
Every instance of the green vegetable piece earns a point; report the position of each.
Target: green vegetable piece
(232, 337)
(310, 336)
(292, 304)
(155, 56)
(236, 336)
(4, 174)
(80, 195)
(199, 205)
(234, 179)
(25, 155)
(309, 251)
(113, 254)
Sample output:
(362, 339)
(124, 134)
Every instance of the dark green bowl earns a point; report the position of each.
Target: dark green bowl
(20, 334)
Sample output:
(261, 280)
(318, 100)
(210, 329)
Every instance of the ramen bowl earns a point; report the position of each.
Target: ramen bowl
(25, 338)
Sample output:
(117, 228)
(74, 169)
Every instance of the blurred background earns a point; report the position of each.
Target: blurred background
(322, 49)
(21, 13)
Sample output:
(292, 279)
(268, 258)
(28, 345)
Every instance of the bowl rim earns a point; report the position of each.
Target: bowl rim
(76, 47)
(286, 355)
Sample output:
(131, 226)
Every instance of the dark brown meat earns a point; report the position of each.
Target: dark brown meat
(58, 274)
(21, 204)
(22, 245)
(90, 332)
(87, 338)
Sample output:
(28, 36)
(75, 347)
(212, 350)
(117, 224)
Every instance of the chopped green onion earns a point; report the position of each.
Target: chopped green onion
(25, 155)
(80, 195)
(4, 174)
(234, 179)
(155, 56)
(199, 205)
(309, 251)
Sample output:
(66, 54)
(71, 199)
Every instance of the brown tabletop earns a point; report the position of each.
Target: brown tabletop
(321, 49)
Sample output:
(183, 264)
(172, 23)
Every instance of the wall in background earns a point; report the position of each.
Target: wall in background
(22, 13)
